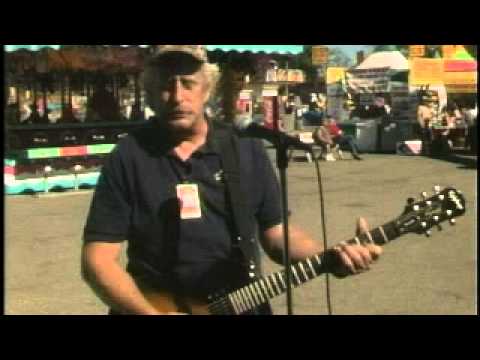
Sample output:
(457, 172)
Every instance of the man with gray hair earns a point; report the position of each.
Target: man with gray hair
(189, 215)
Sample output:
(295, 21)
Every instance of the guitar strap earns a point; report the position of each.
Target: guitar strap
(238, 198)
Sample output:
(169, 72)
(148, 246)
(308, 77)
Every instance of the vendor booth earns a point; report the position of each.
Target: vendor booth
(384, 109)
(68, 105)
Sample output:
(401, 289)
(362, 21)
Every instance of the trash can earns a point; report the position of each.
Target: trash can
(367, 135)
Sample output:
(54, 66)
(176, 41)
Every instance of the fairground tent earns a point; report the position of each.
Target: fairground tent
(374, 74)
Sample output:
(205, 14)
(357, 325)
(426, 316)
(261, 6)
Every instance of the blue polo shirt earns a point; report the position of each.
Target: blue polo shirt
(135, 201)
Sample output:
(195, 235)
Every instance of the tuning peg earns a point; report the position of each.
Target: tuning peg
(424, 194)
(436, 189)
(452, 221)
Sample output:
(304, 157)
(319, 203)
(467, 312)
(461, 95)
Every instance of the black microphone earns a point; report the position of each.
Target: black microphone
(247, 128)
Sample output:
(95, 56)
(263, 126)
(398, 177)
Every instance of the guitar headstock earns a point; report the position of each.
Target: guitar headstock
(419, 217)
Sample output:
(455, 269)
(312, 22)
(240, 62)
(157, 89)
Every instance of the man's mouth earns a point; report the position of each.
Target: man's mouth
(178, 114)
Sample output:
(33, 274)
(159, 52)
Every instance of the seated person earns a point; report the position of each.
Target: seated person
(340, 139)
(322, 138)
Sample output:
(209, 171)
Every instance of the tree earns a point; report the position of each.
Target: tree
(404, 49)
(338, 58)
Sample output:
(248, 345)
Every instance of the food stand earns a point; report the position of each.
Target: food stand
(454, 77)
(381, 79)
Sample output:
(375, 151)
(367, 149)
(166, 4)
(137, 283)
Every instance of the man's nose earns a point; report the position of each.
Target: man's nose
(177, 92)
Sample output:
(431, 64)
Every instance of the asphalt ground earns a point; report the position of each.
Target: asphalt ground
(415, 275)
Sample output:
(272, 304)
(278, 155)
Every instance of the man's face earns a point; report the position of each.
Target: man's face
(180, 96)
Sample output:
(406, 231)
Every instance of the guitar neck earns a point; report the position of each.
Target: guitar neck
(261, 291)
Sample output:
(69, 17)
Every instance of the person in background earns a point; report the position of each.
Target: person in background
(424, 120)
(314, 115)
(340, 139)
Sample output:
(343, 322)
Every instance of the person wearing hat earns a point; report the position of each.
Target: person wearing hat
(166, 190)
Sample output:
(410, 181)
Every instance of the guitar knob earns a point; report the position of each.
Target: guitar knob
(452, 221)
(436, 189)
(416, 207)
(449, 212)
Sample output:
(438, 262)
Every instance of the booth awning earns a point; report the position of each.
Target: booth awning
(11, 48)
(269, 49)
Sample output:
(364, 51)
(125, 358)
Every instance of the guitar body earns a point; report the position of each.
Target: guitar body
(166, 302)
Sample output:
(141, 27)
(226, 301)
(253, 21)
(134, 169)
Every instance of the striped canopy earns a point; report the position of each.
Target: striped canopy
(269, 49)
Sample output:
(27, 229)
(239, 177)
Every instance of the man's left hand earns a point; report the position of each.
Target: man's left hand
(355, 259)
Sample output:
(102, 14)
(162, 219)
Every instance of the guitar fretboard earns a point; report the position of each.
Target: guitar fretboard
(261, 291)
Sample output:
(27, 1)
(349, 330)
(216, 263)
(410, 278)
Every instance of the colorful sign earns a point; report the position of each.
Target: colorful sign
(448, 51)
(335, 74)
(461, 88)
(426, 71)
(320, 55)
(368, 81)
(284, 75)
(460, 65)
(270, 109)
(417, 51)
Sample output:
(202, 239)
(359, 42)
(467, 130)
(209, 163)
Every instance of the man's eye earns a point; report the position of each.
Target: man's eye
(188, 83)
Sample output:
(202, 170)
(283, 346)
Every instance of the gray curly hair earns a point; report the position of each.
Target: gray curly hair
(151, 79)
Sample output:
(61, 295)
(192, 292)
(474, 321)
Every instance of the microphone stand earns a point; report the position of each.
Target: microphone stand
(282, 164)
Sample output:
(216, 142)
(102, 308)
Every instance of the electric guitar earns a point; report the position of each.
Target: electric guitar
(418, 217)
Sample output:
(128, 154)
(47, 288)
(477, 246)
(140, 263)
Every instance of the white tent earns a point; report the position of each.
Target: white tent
(391, 59)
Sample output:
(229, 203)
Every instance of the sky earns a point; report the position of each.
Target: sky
(350, 50)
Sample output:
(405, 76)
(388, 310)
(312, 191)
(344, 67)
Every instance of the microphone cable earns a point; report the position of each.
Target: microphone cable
(325, 243)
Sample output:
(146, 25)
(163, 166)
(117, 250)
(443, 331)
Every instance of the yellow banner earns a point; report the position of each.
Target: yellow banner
(460, 78)
(335, 74)
(426, 71)
(461, 89)
(448, 51)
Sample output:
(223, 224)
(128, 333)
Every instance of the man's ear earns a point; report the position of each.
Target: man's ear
(206, 96)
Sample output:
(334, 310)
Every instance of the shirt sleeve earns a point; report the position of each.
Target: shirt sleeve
(269, 212)
(109, 215)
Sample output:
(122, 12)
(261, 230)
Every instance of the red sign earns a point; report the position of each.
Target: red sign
(270, 109)
(460, 65)
(73, 151)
